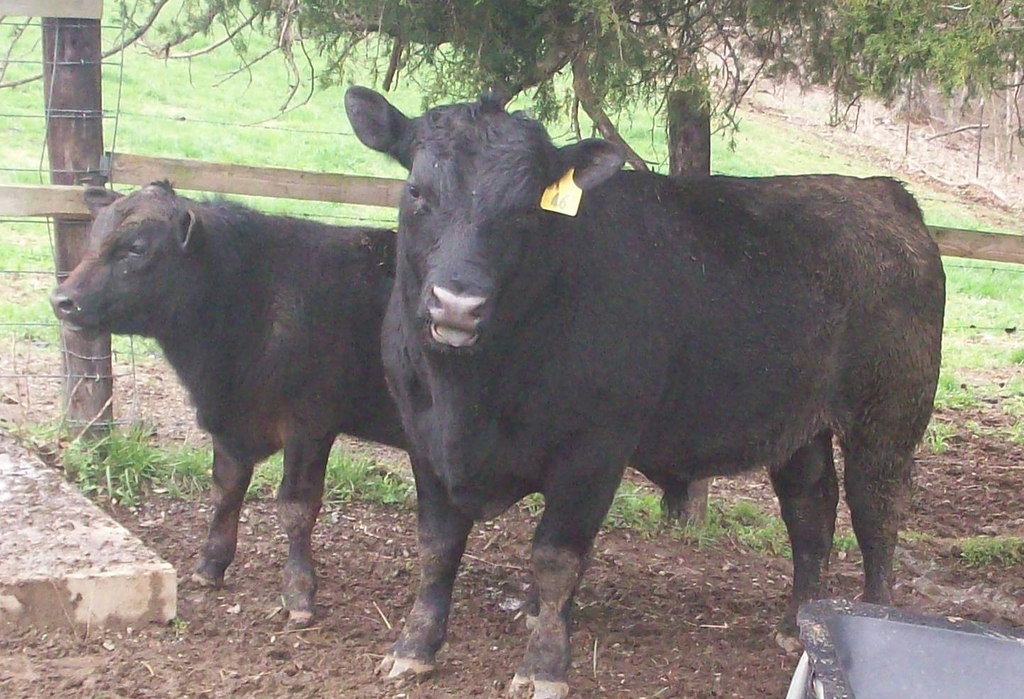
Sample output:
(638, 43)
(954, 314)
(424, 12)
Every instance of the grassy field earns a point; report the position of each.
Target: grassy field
(193, 109)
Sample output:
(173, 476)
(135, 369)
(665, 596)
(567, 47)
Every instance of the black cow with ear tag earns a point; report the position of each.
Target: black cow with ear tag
(555, 318)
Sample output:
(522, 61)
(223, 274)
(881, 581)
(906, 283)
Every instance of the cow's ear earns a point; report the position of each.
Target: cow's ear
(378, 124)
(594, 161)
(99, 198)
(190, 230)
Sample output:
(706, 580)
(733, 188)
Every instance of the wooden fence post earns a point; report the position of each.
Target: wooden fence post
(74, 141)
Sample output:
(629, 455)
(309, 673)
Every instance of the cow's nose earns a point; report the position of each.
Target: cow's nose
(63, 304)
(454, 317)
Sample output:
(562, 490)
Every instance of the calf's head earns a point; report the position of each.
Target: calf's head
(140, 263)
(472, 201)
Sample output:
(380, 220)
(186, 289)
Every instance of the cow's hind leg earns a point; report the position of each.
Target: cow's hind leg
(808, 493)
(441, 535)
(685, 502)
(574, 507)
(298, 503)
(675, 500)
(230, 481)
(877, 481)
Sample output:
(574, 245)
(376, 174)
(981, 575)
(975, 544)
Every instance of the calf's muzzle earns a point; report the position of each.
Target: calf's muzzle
(454, 318)
(63, 304)
(66, 307)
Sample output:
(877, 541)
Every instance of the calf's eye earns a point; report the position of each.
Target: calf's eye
(414, 191)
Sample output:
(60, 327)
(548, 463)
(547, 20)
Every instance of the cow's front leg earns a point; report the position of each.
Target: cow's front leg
(298, 503)
(442, 534)
(576, 499)
(230, 481)
(545, 667)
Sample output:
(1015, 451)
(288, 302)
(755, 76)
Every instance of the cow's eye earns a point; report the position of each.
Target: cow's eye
(414, 191)
(137, 247)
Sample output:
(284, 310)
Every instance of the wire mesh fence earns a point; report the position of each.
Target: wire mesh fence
(33, 382)
(32, 376)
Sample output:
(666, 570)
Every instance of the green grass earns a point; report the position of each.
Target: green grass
(1015, 433)
(127, 465)
(746, 523)
(992, 550)
(937, 436)
(844, 542)
(637, 508)
(952, 392)
(180, 626)
(348, 479)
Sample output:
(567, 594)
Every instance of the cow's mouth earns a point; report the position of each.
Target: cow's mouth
(454, 317)
(453, 337)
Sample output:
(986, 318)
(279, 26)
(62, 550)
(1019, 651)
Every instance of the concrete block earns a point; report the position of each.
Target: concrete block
(64, 561)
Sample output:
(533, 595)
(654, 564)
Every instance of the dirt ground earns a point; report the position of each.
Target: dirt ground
(655, 616)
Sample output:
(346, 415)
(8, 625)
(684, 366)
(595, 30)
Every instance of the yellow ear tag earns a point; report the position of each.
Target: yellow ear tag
(563, 197)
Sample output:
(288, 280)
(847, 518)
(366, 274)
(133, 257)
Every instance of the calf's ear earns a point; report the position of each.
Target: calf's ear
(378, 124)
(594, 159)
(190, 230)
(99, 198)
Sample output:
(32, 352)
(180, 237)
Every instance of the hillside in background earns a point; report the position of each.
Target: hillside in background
(928, 152)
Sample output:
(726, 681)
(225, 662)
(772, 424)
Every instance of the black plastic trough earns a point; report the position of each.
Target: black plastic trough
(864, 651)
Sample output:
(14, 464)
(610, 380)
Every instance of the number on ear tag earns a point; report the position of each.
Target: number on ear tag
(563, 197)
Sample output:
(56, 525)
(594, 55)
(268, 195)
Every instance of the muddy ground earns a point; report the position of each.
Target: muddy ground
(657, 616)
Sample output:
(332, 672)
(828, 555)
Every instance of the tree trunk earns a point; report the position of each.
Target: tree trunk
(74, 141)
(689, 133)
(689, 152)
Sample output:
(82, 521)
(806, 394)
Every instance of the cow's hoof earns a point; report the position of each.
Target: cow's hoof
(299, 618)
(397, 669)
(788, 642)
(203, 580)
(519, 688)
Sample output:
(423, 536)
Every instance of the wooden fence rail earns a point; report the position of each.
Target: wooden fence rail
(979, 245)
(257, 181)
(52, 200)
(21, 200)
(71, 9)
